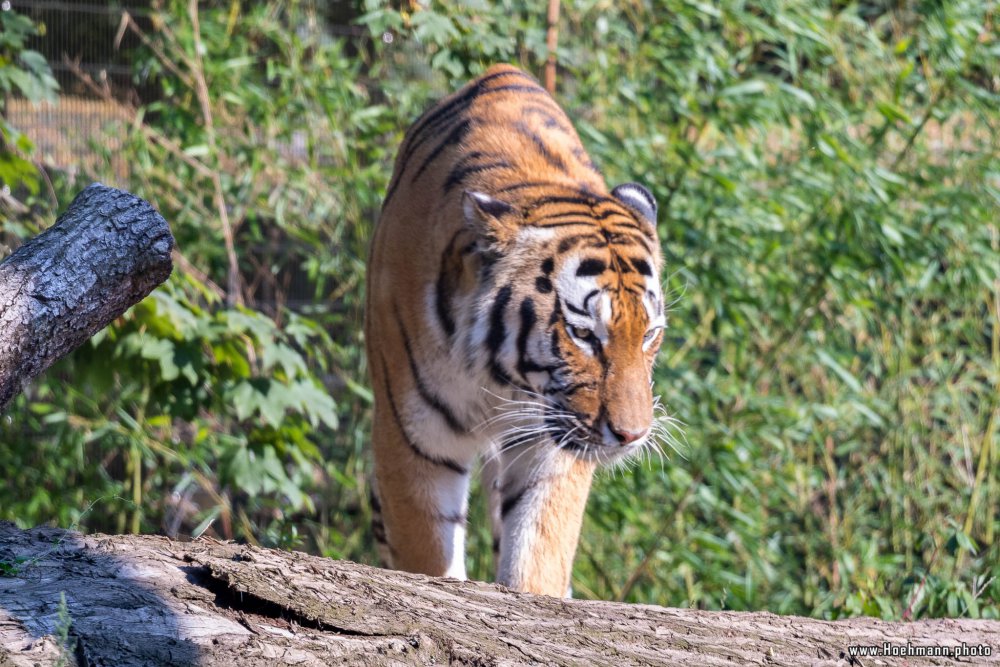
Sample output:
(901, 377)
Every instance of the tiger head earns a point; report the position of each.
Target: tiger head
(577, 315)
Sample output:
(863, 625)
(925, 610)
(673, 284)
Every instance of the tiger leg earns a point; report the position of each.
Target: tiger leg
(490, 476)
(543, 496)
(378, 524)
(423, 498)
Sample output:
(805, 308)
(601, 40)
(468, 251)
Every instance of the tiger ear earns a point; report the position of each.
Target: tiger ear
(490, 219)
(640, 200)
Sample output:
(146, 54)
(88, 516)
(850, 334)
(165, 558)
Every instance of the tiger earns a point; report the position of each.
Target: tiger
(513, 313)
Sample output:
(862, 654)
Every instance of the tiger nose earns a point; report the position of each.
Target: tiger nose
(626, 436)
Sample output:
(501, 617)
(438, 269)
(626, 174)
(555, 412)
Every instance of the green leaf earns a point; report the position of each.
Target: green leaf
(808, 100)
(841, 372)
(755, 87)
(893, 112)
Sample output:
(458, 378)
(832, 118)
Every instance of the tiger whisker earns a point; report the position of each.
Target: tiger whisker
(508, 443)
(519, 422)
(542, 399)
(519, 390)
(548, 454)
(525, 430)
(668, 430)
(675, 295)
(566, 437)
(510, 464)
(531, 408)
(500, 451)
(510, 417)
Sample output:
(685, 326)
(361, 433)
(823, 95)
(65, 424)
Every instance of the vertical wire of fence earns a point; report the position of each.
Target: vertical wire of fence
(75, 38)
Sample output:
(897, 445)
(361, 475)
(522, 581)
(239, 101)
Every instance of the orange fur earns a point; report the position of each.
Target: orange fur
(503, 270)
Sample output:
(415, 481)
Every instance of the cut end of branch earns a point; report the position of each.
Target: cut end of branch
(104, 254)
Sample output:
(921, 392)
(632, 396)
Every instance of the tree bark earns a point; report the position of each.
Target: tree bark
(150, 601)
(104, 254)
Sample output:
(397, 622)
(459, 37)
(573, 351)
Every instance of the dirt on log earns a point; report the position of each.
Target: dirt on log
(151, 601)
(104, 254)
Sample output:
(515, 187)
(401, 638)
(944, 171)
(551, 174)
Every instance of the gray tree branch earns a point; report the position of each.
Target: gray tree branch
(150, 601)
(104, 254)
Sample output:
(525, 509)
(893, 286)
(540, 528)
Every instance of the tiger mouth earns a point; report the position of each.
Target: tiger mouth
(581, 439)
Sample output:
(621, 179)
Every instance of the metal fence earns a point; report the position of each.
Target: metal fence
(79, 41)
(88, 46)
(90, 51)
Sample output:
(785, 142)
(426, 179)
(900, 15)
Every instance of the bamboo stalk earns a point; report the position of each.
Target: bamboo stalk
(234, 291)
(551, 40)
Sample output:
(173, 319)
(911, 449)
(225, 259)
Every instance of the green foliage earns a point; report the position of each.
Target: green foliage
(460, 37)
(12, 568)
(64, 623)
(25, 73)
(189, 396)
(829, 182)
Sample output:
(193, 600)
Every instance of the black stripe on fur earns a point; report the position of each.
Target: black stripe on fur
(429, 397)
(430, 458)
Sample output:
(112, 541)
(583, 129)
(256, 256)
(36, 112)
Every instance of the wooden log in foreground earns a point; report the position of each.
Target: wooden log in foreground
(150, 601)
(104, 254)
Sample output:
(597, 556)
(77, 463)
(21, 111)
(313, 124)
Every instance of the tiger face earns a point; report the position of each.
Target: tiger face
(579, 318)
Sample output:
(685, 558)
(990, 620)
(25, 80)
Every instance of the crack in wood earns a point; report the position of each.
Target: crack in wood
(245, 604)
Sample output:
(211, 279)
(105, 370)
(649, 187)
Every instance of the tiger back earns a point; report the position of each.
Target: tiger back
(513, 313)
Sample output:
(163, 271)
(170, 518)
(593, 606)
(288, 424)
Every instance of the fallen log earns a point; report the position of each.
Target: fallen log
(132, 600)
(104, 254)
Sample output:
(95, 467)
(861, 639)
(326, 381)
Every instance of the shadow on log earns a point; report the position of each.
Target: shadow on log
(104, 254)
(150, 601)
